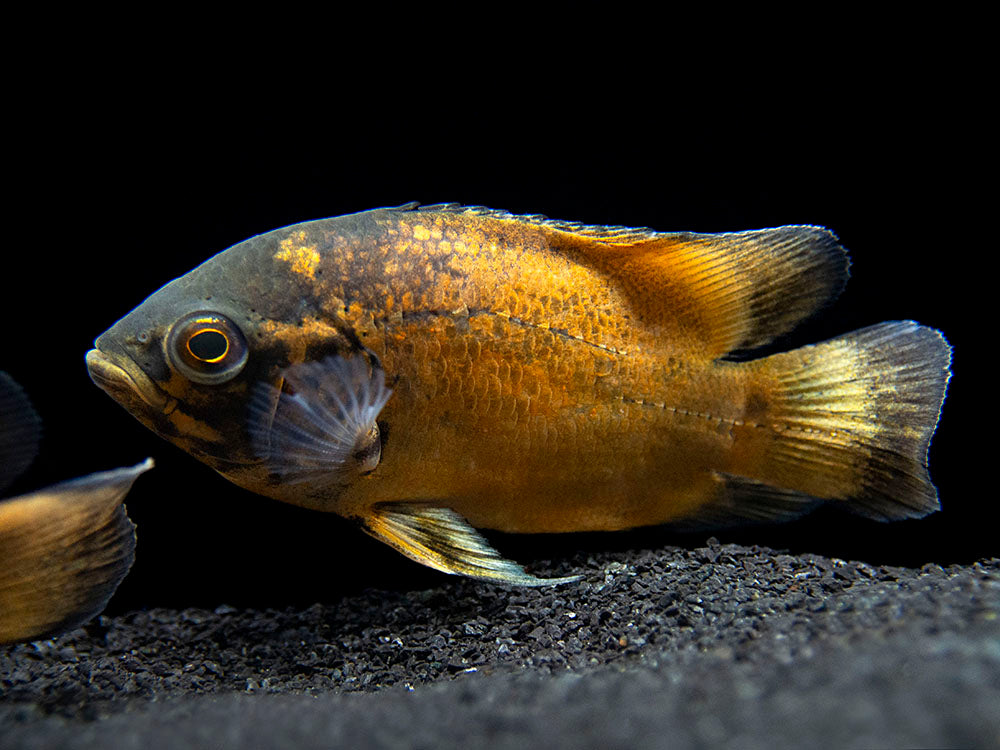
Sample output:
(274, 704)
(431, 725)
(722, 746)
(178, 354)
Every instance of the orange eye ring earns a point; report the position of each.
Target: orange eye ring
(206, 347)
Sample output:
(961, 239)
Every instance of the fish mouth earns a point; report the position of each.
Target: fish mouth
(122, 379)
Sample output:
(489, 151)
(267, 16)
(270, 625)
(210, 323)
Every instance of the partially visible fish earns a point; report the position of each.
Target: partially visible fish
(63, 549)
(430, 371)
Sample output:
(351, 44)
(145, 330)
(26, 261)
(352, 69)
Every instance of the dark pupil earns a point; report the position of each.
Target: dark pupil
(208, 345)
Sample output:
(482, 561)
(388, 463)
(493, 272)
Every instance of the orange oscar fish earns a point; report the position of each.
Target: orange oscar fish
(430, 370)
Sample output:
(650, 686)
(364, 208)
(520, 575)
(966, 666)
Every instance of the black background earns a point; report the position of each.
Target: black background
(122, 185)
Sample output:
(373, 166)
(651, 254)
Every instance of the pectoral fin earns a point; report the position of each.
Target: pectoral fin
(321, 428)
(63, 551)
(441, 539)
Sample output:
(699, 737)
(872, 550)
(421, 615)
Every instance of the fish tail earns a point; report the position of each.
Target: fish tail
(849, 419)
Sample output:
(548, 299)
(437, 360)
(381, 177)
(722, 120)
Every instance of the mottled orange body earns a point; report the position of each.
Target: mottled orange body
(536, 393)
(549, 376)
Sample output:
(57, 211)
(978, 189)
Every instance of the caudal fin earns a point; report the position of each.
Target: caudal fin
(63, 552)
(850, 419)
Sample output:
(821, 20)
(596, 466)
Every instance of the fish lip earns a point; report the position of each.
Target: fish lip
(121, 378)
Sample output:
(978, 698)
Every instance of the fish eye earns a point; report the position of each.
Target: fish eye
(206, 347)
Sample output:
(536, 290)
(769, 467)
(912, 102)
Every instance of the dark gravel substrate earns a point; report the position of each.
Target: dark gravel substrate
(722, 646)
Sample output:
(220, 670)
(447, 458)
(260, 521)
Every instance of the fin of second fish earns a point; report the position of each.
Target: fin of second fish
(20, 429)
(64, 549)
(442, 539)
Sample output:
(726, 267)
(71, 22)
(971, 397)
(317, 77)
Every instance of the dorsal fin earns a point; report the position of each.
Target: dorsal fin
(725, 292)
(614, 236)
(731, 291)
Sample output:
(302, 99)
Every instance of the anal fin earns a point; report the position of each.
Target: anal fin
(442, 539)
(740, 501)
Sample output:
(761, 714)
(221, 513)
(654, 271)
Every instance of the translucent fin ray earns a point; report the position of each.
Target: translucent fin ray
(312, 433)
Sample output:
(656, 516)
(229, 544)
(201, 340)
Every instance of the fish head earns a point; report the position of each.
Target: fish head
(204, 361)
